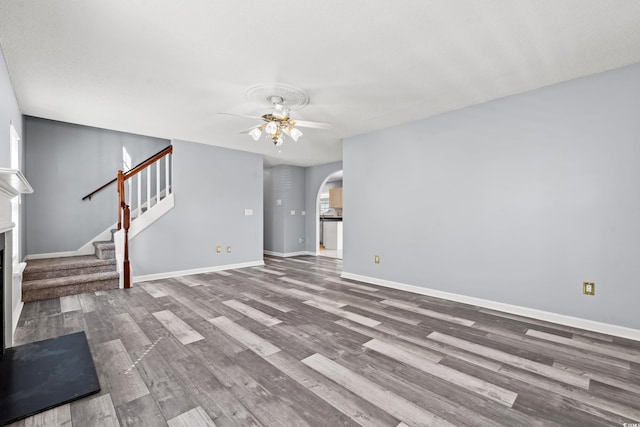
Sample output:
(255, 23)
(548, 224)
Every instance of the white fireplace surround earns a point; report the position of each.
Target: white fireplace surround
(12, 285)
(12, 183)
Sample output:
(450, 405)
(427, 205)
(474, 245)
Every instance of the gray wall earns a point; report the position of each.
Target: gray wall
(314, 177)
(213, 186)
(65, 162)
(283, 231)
(518, 200)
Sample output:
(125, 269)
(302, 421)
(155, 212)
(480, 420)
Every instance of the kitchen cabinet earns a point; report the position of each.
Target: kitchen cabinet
(335, 197)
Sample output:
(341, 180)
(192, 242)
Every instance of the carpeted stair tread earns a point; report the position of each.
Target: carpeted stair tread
(107, 244)
(37, 265)
(105, 250)
(69, 266)
(38, 290)
(70, 280)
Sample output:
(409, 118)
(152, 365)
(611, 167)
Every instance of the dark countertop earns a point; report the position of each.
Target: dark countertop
(330, 218)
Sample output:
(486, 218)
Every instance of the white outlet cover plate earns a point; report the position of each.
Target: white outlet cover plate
(293, 212)
(248, 212)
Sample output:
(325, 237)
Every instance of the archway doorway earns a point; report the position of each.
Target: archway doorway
(329, 225)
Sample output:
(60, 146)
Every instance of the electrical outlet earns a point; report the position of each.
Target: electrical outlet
(588, 288)
(228, 249)
(300, 239)
(376, 259)
(218, 249)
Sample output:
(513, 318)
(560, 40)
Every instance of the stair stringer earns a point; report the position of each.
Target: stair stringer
(138, 225)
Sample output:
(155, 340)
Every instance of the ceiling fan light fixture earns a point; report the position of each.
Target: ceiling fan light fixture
(256, 133)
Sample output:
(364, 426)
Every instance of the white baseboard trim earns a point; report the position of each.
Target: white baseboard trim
(170, 274)
(288, 254)
(576, 322)
(17, 311)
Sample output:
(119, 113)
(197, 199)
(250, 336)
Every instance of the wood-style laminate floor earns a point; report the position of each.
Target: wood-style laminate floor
(292, 344)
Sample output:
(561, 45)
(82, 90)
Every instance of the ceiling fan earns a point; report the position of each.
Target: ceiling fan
(278, 124)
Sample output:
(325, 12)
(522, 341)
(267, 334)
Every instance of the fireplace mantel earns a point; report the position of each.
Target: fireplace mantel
(13, 182)
(6, 226)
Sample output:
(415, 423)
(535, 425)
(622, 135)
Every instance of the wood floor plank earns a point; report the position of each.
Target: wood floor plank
(153, 290)
(114, 362)
(128, 328)
(347, 403)
(456, 405)
(303, 284)
(577, 395)
(372, 392)
(609, 350)
(252, 313)
(94, 412)
(267, 302)
(268, 271)
(210, 381)
(627, 385)
(343, 313)
(59, 417)
(383, 332)
(483, 388)
(383, 313)
(538, 368)
(189, 281)
(143, 411)
(351, 284)
(196, 417)
(430, 313)
(555, 351)
(178, 328)
(87, 302)
(246, 337)
(70, 303)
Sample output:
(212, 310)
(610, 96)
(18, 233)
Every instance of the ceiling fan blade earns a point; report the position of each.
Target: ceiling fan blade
(247, 130)
(241, 115)
(316, 125)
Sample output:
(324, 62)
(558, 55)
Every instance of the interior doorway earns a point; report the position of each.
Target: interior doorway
(329, 224)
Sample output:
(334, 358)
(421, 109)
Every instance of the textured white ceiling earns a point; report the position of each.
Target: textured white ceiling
(165, 68)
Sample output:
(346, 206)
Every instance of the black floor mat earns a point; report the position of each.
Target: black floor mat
(42, 375)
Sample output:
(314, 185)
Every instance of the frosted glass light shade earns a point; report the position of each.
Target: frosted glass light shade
(281, 111)
(295, 134)
(271, 128)
(255, 134)
(279, 142)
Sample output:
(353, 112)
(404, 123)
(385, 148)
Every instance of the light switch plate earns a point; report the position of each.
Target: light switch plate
(293, 212)
(303, 213)
(248, 212)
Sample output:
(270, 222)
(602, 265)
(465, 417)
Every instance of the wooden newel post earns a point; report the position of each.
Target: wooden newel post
(120, 187)
(126, 222)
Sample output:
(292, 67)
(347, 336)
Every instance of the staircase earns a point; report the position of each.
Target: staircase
(57, 277)
(109, 267)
